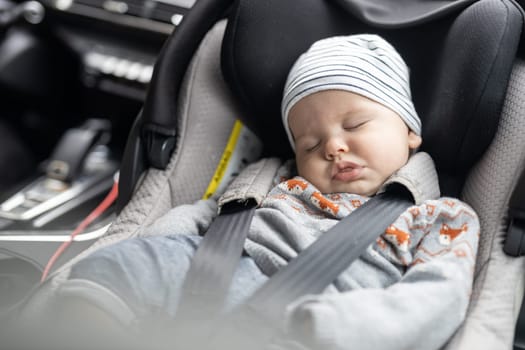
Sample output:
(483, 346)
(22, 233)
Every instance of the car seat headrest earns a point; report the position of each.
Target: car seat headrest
(460, 63)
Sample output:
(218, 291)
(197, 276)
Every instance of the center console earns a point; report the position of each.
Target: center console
(115, 44)
(43, 211)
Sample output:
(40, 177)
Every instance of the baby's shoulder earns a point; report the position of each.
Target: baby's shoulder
(446, 215)
(438, 223)
(446, 207)
(444, 211)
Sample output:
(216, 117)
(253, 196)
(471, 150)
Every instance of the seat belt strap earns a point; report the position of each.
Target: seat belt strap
(213, 265)
(256, 322)
(326, 258)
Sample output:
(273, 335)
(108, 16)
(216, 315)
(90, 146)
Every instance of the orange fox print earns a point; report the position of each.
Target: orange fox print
(460, 253)
(450, 203)
(356, 203)
(430, 209)
(334, 196)
(448, 234)
(324, 204)
(415, 212)
(400, 238)
(295, 186)
(381, 243)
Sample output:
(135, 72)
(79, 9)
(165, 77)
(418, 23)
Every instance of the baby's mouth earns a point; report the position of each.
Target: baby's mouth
(346, 171)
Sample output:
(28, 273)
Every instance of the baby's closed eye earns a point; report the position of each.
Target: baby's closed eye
(312, 147)
(354, 125)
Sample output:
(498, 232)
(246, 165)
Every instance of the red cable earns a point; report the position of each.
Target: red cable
(101, 208)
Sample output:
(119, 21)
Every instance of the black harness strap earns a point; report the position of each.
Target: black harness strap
(258, 320)
(217, 256)
(325, 259)
(211, 271)
(312, 271)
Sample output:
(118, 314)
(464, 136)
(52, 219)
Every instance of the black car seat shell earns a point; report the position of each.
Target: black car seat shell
(467, 82)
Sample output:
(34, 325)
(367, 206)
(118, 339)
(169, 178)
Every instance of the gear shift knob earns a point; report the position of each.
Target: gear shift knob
(67, 159)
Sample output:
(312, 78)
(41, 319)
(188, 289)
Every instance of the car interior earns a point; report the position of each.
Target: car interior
(171, 99)
(74, 76)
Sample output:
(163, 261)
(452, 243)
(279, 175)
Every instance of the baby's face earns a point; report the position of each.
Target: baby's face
(345, 142)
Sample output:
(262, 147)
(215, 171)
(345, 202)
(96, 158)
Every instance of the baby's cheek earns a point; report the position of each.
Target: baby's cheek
(318, 181)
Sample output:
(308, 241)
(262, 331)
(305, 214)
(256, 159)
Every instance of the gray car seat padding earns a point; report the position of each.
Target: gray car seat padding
(206, 116)
(498, 286)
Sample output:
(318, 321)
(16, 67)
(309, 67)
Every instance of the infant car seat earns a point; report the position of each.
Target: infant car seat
(467, 78)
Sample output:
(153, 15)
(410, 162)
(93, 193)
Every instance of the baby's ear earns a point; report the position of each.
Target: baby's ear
(414, 140)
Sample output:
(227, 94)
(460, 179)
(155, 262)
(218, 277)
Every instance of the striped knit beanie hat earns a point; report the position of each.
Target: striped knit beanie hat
(364, 64)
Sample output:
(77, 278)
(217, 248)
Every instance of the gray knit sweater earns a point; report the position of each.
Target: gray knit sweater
(408, 290)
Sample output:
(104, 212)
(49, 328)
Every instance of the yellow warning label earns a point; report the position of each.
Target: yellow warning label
(225, 159)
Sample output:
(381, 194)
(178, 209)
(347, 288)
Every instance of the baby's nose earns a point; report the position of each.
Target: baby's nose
(335, 146)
